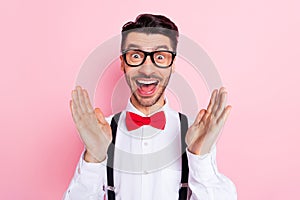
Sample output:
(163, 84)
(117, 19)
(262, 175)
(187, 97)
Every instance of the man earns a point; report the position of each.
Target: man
(141, 146)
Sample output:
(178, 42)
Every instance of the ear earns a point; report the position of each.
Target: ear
(173, 65)
(122, 63)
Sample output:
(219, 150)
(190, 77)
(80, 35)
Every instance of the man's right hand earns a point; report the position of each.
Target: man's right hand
(94, 130)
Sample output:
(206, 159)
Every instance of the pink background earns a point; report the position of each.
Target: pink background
(254, 45)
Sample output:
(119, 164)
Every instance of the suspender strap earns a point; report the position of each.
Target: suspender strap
(184, 164)
(111, 151)
(110, 159)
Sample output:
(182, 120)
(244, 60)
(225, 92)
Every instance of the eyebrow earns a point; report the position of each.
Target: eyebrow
(155, 48)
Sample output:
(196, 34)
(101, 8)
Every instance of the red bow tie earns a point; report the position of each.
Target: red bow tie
(134, 121)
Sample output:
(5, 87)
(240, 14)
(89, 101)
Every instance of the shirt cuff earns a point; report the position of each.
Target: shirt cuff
(91, 171)
(203, 167)
(93, 167)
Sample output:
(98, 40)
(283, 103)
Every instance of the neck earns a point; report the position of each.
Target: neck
(148, 110)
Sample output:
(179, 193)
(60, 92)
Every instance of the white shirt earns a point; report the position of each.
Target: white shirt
(147, 166)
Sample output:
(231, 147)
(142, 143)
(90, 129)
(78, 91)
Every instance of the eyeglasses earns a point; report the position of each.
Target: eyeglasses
(136, 57)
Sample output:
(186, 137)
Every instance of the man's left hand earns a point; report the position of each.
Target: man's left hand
(204, 132)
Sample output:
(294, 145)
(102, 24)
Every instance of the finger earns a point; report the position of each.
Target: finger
(217, 100)
(222, 119)
(75, 101)
(74, 111)
(100, 116)
(222, 103)
(87, 101)
(212, 101)
(199, 116)
(81, 99)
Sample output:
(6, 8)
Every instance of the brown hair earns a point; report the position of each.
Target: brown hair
(151, 24)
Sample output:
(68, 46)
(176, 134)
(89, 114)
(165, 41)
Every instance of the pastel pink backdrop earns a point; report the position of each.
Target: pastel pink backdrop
(254, 45)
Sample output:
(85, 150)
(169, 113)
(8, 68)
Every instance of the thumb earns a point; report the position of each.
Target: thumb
(100, 116)
(199, 116)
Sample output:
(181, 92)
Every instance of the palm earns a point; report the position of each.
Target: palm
(205, 130)
(94, 130)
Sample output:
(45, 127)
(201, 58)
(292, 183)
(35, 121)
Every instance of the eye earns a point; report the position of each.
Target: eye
(135, 56)
(160, 57)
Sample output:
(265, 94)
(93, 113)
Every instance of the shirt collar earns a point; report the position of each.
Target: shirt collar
(130, 107)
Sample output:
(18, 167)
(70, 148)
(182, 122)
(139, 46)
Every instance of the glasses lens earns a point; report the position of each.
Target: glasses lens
(134, 57)
(163, 58)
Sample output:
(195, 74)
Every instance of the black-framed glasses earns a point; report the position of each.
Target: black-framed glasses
(161, 58)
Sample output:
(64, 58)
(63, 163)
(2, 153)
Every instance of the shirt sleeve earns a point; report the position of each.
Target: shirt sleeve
(205, 182)
(88, 181)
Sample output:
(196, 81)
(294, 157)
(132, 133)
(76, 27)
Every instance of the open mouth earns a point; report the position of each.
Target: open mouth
(146, 87)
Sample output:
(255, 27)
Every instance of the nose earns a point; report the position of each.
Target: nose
(147, 67)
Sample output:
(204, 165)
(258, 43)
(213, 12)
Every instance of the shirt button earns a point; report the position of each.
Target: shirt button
(146, 172)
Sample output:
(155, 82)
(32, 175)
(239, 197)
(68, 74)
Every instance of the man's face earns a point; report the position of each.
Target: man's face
(147, 81)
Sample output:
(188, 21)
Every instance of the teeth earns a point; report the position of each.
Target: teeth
(146, 82)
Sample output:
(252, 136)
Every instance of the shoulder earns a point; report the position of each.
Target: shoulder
(109, 118)
(175, 113)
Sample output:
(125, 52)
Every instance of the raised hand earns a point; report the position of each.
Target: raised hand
(204, 131)
(94, 130)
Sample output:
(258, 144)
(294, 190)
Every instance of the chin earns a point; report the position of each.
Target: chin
(148, 101)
